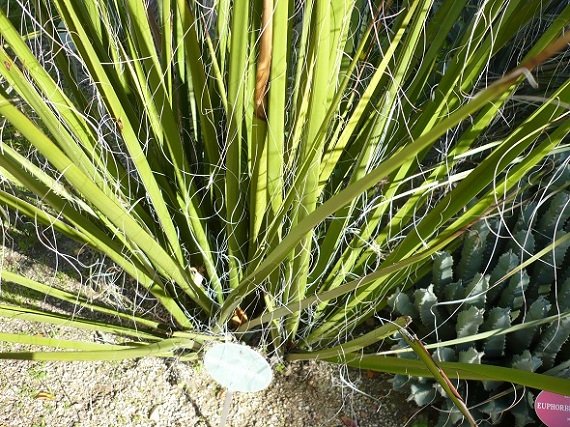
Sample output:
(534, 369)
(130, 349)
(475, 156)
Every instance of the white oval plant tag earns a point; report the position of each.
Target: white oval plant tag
(238, 367)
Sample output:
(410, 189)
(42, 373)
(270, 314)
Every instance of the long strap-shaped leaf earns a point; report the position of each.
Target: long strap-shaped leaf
(162, 348)
(81, 323)
(58, 343)
(357, 344)
(438, 374)
(487, 334)
(463, 371)
(79, 301)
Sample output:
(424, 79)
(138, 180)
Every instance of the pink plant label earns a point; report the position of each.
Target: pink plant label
(553, 409)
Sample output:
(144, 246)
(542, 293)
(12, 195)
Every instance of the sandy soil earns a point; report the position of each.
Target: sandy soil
(167, 392)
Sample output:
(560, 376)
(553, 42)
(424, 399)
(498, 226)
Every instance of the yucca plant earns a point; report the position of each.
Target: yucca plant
(273, 169)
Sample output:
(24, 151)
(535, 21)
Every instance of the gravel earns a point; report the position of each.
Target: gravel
(165, 392)
(157, 392)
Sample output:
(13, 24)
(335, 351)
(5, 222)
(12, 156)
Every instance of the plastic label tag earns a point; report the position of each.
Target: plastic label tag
(553, 409)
